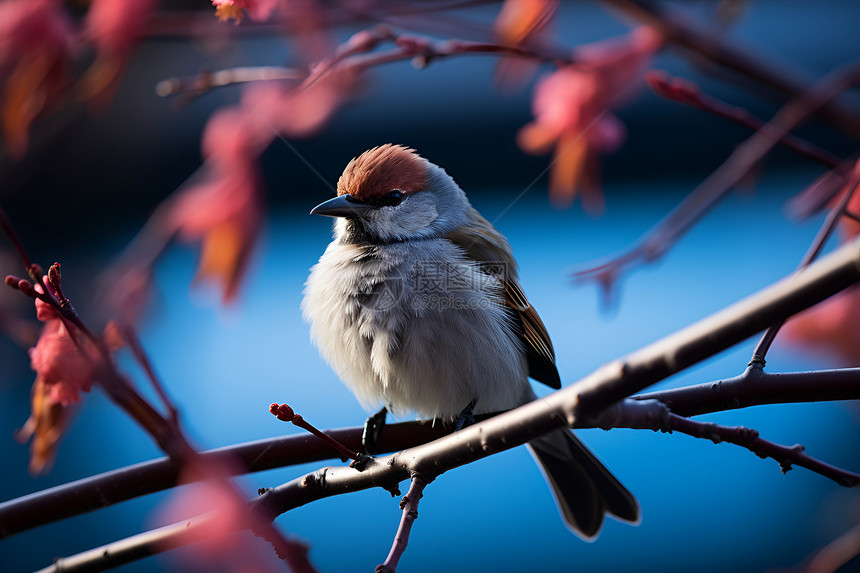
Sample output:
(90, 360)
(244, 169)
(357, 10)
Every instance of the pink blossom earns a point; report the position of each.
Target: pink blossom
(259, 10)
(64, 368)
(61, 365)
(294, 113)
(36, 45)
(571, 109)
(45, 311)
(224, 211)
(220, 541)
(114, 27)
(62, 372)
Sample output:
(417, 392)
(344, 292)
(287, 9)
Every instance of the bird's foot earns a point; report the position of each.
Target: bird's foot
(372, 430)
(467, 416)
(361, 462)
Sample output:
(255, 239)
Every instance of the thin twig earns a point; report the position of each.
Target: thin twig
(656, 242)
(286, 414)
(409, 505)
(655, 415)
(683, 33)
(687, 93)
(820, 194)
(824, 233)
(164, 431)
(136, 348)
(786, 456)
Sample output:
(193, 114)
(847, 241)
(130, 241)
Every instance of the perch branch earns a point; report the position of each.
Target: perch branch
(753, 388)
(585, 399)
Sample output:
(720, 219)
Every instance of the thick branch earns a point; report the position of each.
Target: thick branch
(95, 492)
(583, 400)
(755, 388)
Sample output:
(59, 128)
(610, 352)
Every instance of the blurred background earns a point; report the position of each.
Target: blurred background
(91, 178)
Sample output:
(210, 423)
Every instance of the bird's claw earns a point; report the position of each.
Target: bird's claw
(467, 416)
(361, 461)
(372, 429)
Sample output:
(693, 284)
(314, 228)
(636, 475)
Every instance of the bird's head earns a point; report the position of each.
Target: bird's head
(390, 193)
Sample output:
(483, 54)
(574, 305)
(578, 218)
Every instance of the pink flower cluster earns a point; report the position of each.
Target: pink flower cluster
(37, 42)
(572, 112)
(64, 368)
(224, 210)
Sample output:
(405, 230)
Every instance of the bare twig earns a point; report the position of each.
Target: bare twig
(357, 54)
(284, 413)
(749, 439)
(655, 415)
(685, 92)
(824, 233)
(136, 348)
(819, 195)
(206, 80)
(165, 431)
(409, 505)
(683, 33)
(666, 233)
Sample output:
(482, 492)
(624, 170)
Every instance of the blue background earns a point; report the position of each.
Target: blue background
(705, 507)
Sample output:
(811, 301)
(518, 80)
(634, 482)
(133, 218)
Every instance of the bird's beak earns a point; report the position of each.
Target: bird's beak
(341, 206)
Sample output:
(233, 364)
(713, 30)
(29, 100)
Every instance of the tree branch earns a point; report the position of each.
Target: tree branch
(741, 60)
(409, 505)
(655, 415)
(583, 400)
(656, 242)
(755, 388)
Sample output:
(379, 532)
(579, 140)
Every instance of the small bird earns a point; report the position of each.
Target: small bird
(416, 306)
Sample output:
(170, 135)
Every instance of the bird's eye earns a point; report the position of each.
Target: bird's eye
(393, 198)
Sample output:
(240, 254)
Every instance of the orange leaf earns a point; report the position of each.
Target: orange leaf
(521, 19)
(24, 98)
(45, 427)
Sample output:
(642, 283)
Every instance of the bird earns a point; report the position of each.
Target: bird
(416, 305)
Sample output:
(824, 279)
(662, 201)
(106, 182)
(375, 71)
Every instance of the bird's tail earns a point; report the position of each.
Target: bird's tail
(584, 489)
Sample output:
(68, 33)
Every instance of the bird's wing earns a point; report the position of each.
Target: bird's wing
(489, 248)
